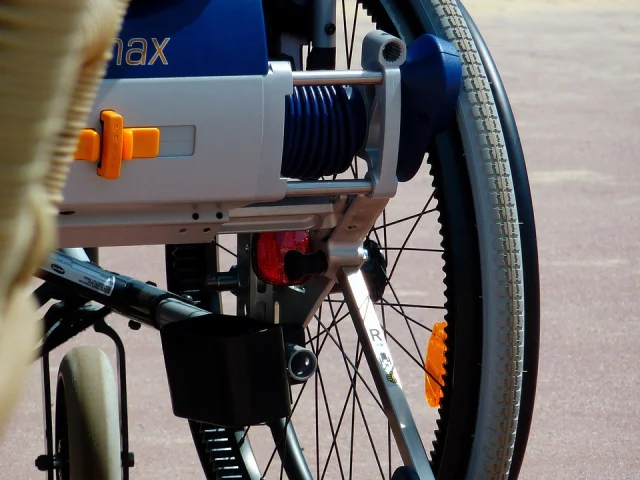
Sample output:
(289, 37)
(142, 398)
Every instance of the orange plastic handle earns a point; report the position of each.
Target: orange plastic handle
(112, 141)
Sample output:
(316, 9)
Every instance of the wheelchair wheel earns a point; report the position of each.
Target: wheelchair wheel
(87, 423)
(464, 224)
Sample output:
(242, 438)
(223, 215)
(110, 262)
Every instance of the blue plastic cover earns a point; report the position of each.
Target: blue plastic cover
(190, 38)
(431, 83)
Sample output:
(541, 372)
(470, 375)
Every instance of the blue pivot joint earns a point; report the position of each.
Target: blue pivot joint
(431, 83)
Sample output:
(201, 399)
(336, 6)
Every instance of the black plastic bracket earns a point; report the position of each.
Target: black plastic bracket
(63, 321)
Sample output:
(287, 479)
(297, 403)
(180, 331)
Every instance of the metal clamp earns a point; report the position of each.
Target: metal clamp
(380, 51)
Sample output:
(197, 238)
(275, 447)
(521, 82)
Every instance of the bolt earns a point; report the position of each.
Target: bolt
(128, 459)
(134, 325)
(44, 463)
(329, 29)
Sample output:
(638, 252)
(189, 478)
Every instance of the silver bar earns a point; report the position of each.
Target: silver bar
(383, 371)
(337, 77)
(328, 187)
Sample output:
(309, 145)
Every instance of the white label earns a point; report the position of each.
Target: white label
(77, 272)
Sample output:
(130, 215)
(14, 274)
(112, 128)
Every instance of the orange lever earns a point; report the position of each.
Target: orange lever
(112, 141)
(88, 146)
(118, 143)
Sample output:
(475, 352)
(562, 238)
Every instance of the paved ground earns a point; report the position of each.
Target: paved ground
(572, 73)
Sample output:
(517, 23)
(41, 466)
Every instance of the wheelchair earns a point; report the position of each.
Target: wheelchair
(244, 133)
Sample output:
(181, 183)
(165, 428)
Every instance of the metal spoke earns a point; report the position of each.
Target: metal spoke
(328, 410)
(409, 249)
(316, 351)
(349, 45)
(417, 362)
(315, 391)
(389, 445)
(411, 305)
(346, 33)
(384, 234)
(342, 412)
(407, 317)
(344, 408)
(356, 399)
(333, 323)
(331, 337)
(353, 412)
(415, 342)
(405, 219)
(244, 436)
(384, 328)
(413, 228)
(225, 249)
(353, 35)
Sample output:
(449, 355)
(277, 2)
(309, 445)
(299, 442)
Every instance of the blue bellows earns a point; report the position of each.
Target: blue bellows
(324, 128)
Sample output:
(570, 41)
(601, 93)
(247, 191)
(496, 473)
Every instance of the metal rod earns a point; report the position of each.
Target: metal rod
(384, 373)
(223, 281)
(337, 77)
(328, 187)
(48, 421)
(126, 457)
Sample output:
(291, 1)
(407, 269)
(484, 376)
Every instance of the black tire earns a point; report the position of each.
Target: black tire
(529, 248)
(488, 439)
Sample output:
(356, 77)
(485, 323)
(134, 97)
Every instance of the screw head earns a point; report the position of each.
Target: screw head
(330, 29)
(134, 325)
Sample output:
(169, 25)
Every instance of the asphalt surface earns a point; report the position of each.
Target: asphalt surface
(572, 77)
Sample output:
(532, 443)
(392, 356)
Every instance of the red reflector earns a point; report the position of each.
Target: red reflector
(269, 250)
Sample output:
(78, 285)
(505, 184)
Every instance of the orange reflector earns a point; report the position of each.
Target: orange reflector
(435, 365)
(269, 250)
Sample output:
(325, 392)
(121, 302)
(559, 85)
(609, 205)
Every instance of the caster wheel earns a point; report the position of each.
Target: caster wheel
(87, 422)
(405, 473)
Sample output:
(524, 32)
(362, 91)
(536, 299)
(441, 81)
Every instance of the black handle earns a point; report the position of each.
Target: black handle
(297, 264)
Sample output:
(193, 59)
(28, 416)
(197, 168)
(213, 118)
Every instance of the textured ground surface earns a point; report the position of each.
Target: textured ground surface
(571, 69)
